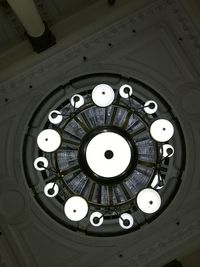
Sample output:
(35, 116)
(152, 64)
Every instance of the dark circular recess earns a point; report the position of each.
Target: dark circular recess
(96, 220)
(109, 154)
(51, 191)
(76, 98)
(126, 222)
(127, 90)
(54, 115)
(82, 154)
(152, 105)
(125, 116)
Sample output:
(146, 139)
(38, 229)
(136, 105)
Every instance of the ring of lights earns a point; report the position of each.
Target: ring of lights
(83, 177)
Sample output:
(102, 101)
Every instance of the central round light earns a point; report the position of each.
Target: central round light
(108, 154)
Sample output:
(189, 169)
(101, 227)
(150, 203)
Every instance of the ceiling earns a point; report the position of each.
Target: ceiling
(154, 41)
(11, 30)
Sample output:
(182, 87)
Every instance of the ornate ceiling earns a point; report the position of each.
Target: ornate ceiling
(156, 42)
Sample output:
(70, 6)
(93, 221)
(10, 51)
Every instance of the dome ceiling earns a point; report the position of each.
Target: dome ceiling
(157, 43)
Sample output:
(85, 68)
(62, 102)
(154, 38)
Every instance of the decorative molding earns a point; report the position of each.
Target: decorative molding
(67, 60)
(87, 46)
(185, 23)
(155, 253)
(180, 235)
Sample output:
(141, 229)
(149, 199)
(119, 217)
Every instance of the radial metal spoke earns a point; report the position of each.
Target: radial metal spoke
(92, 190)
(125, 191)
(85, 187)
(113, 115)
(73, 177)
(87, 122)
(82, 124)
(99, 193)
(115, 110)
(106, 115)
(110, 192)
(133, 124)
(70, 170)
(142, 139)
(127, 118)
(117, 196)
(143, 129)
(73, 136)
(71, 142)
(49, 179)
(147, 164)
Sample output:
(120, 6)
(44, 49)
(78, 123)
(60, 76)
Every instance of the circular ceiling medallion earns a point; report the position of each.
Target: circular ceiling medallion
(105, 155)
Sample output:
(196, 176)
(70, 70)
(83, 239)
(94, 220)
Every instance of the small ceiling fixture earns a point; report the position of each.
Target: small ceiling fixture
(107, 156)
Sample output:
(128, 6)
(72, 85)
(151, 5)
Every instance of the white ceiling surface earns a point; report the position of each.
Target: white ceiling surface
(163, 52)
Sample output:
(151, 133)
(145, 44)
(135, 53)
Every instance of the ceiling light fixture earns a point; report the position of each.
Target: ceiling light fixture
(105, 155)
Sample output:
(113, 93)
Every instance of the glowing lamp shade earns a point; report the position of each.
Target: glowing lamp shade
(39, 160)
(77, 101)
(51, 189)
(49, 140)
(55, 117)
(165, 149)
(103, 95)
(96, 218)
(76, 208)
(161, 130)
(125, 91)
(150, 107)
(148, 200)
(108, 154)
(155, 182)
(126, 221)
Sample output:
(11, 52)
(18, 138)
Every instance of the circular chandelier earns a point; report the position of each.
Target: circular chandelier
(105, 156)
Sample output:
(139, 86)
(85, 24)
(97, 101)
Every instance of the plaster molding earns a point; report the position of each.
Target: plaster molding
(74, 54)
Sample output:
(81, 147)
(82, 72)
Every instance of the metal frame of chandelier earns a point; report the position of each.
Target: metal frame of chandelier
(76, 207)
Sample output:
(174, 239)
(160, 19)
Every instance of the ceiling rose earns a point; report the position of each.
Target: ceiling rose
(105, 156)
